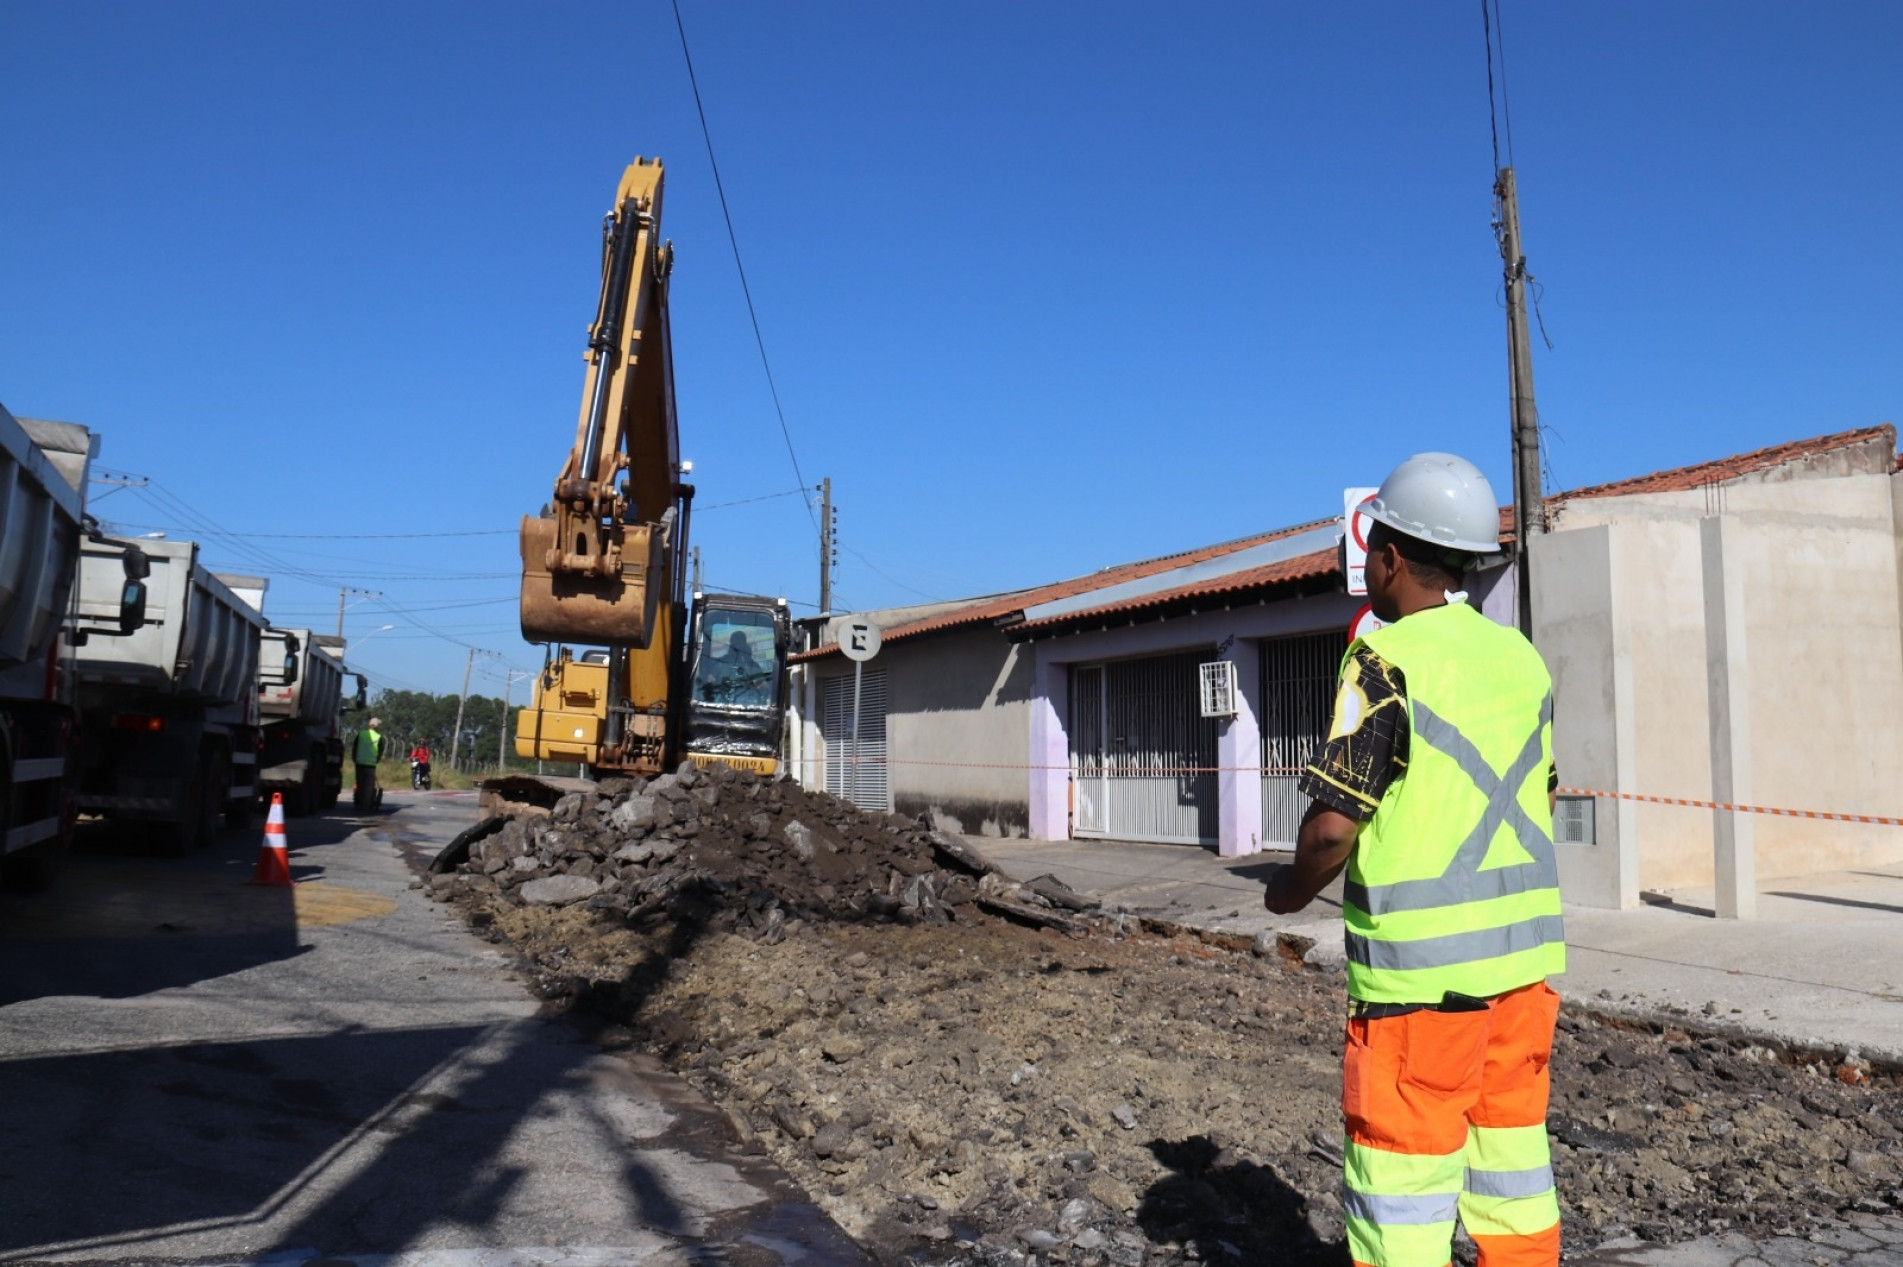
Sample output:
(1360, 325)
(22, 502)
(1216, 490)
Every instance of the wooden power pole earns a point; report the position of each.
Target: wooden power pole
(1529, 498)
(827, 536)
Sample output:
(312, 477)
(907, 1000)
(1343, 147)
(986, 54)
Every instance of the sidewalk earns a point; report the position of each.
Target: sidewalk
(1821, 966)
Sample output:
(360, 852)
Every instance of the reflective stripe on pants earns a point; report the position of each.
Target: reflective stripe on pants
(1446, 1117)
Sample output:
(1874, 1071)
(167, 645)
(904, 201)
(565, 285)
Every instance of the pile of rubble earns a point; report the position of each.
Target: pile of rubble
(724, 850)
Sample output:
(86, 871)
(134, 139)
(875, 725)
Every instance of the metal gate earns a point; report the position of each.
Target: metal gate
(1299, 676)
(1142, 757)
(856, 772)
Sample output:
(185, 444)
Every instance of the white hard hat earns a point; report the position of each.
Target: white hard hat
(375, 722)
(1441, 498)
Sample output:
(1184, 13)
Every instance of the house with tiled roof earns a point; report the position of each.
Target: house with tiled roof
(1083, 708)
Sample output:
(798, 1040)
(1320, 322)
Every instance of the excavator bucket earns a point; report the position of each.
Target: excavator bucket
(618, 609)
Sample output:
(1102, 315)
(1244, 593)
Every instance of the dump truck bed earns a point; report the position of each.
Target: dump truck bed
(42, 483)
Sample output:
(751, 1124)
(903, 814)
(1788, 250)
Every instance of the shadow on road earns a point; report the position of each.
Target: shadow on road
(117, 922)
(1230, 1209)
(362, 1138)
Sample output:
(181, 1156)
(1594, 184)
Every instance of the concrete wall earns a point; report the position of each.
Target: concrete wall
(1584, 634)
(957, 729)
(1818, 562)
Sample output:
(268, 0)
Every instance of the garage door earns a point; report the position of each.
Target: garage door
(1142, 756)
(856, 771)
(1298, 700)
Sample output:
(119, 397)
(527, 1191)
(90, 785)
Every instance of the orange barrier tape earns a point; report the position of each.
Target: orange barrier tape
(1129, 771)
(1018, 765)
(1741, 809)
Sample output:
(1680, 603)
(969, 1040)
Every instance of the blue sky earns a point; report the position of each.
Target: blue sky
(1045, 287)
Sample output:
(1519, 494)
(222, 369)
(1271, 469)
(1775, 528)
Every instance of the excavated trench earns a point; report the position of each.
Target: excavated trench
(963, 1069)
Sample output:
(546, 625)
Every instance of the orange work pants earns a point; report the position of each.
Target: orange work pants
(1446, 1117)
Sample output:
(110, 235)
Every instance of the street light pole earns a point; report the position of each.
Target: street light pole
(349, 589)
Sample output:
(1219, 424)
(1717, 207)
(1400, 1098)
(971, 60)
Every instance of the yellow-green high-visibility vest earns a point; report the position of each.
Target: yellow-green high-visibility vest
(369, 745)
(1452, 884)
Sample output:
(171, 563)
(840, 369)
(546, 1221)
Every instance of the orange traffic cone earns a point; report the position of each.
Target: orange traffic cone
(274, 860)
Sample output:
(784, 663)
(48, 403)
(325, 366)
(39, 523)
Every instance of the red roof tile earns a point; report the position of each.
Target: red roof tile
(990, 609)
(1322, 562)
(1688, 478)
(1300, 568)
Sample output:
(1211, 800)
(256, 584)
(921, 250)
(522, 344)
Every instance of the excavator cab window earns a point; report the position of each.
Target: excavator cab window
(737, 661)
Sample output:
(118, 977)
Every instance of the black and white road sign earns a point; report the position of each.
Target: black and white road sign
(858, 638)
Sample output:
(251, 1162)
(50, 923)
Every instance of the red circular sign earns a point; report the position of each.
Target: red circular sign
(1355, 520)
(1364, 623)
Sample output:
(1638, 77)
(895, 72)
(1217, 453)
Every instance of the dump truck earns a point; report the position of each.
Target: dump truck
(43, 470)
(300, 702)
(169, 733)
(602, 566)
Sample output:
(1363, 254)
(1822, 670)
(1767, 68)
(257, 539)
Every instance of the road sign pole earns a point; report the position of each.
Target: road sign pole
(859, 642)
(858, 669)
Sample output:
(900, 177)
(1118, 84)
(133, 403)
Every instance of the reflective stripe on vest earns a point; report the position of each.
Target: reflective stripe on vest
(1424, 912)
(1464, 881)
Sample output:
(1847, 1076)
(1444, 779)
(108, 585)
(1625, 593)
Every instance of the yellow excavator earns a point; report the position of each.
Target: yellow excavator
(602, 566)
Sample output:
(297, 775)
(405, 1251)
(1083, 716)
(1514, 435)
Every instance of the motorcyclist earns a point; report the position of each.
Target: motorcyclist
(419, 766)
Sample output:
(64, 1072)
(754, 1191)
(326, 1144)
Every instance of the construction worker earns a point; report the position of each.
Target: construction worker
(367, 752)
(1434, 789)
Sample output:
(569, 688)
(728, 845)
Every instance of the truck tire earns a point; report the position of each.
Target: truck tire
(333, 787)
(214, 781)
(177, 838)
(240, 813)
(308, 798)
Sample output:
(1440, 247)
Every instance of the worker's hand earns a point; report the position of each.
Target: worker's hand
(1322, 847)
(1279, 895)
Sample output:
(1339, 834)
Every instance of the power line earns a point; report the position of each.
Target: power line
(888, 576)
(1499, 117)
(748, 501)
(734, 240)
(1506, 95)
(1493, 112)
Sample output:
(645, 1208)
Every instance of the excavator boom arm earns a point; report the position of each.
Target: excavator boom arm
(600, 564)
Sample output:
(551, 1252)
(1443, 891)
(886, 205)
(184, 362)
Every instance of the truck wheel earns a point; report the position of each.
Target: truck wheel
(309, 796)
(176, 839)
(239, 813)
(215, 782)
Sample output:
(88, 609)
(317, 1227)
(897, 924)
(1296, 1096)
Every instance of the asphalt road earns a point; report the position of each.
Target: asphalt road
(193, 1070)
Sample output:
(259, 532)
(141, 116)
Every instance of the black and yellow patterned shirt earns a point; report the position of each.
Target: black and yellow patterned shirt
(1367, 745)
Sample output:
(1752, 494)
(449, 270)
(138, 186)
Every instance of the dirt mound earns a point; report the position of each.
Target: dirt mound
(724, 850)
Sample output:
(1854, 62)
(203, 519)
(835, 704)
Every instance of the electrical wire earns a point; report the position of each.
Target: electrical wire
(748, 501)
(1506, 96)
(734, 241)
(930, 598)
(1493, 112)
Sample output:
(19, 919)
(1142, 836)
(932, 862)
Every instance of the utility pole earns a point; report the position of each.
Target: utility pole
(343, 590)
(457, 738)
(828, 541)
(1529, 499)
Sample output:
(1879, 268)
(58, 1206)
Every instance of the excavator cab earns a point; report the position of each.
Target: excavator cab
(736, 676)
